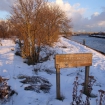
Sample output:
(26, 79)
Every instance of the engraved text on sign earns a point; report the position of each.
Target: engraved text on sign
(73, 60)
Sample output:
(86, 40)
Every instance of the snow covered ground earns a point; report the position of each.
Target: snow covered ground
(11, 66)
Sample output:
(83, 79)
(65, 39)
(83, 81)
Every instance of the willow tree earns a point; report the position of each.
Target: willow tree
(39, 23)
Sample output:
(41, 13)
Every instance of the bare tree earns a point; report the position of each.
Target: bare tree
(54, 22)
(38, 23)
(3, 29)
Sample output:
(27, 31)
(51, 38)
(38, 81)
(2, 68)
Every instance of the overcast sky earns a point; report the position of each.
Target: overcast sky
(86, 15)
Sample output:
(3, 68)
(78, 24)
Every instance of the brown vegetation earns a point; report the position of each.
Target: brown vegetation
(5, 91)
(3, 29)
(37, 23)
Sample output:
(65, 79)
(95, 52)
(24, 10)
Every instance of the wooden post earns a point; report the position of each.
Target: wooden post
(86, 80)
(72, 60)
(58, 83)
(83, 41)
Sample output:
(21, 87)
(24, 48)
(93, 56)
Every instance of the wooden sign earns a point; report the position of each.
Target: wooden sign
(73, 60)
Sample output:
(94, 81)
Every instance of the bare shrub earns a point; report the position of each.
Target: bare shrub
(37, 23)
(5, 91)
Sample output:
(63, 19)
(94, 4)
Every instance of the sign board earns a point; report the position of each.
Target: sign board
(73, 60)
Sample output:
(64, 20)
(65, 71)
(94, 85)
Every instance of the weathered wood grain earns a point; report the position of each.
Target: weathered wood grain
(73, 60)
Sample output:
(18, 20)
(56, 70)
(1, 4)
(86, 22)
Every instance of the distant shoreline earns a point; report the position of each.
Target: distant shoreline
(88, 46)
(97, 36)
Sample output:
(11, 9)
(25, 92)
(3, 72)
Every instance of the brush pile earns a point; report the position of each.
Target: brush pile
(35, 83)
(5, 90)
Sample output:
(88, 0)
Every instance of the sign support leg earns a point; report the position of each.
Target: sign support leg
(58, 83)
(86, 80)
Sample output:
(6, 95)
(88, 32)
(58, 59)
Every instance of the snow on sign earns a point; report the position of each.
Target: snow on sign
(73, 60)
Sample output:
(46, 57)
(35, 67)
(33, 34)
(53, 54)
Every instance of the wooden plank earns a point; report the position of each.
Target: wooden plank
(73, 60)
